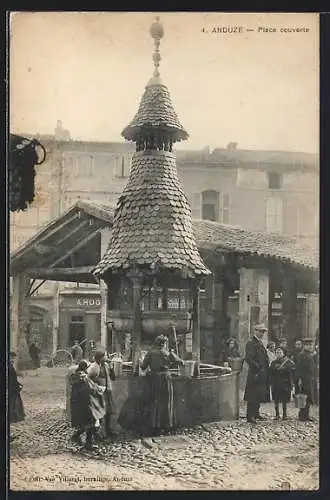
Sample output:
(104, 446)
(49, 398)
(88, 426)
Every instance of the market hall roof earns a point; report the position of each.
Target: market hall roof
(152, 226)
(67, 234)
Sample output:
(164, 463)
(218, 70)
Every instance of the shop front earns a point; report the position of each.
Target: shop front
(79, 318)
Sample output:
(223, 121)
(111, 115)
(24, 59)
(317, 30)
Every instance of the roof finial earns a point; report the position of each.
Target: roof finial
(157, 32)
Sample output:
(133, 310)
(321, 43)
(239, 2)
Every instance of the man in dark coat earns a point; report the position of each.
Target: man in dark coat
(34, 352)
(305, 371)
(257, 388)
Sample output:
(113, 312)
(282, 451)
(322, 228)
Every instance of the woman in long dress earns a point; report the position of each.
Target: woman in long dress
(16, 408)
(161, 411)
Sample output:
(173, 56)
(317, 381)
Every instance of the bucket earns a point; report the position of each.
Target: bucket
(236, 364)
(117, 367)
(187, 370)
(300, 401)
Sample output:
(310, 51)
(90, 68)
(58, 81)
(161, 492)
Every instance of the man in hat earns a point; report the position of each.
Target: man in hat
(257, 388)
(305, 377)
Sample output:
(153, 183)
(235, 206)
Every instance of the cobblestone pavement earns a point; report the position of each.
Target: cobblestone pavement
(220, 455)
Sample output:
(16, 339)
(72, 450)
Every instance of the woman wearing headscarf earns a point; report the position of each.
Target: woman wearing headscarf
(231, 350)
(102, 373)
(16, 408)
(161, 415)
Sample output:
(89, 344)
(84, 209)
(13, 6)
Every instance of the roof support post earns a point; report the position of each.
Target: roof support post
(137, 320)
(289, 304)
(253, 302)
(105, 239)
(196, 331)
(220, 308)
(20, 320)
(56, 316)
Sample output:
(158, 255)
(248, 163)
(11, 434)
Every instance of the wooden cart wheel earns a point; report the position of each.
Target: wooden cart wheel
(62, 358)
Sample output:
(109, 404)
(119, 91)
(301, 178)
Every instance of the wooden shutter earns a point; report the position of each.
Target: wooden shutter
(224, 206)
(196, 206)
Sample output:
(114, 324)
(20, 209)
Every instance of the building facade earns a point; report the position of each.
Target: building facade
(268, 191)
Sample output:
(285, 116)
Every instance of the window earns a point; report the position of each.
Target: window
(85, 166)
(274, 215)
(77, 319)
(216, 206)
(210, 205)
(274, 180)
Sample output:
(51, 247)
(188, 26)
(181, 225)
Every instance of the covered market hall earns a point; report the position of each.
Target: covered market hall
(256, 277)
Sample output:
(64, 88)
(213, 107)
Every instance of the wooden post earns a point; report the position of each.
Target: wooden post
(20, 320)
(247, 299)
(56, 320)
(289, 304)
(103, 312)
(136, 333)
(105, 239)
(196, 332)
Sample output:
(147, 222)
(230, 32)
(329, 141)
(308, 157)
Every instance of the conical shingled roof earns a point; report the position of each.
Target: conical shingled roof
(152, 225)
(155, 111)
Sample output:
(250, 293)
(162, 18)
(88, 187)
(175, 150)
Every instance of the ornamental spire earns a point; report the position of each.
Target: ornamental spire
(157, 32)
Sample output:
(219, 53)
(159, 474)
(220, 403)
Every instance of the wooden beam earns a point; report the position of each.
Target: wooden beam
(52, 273)
(45, 233)
(28, 292)
(73, 231)
(72, 250)
(37, 287)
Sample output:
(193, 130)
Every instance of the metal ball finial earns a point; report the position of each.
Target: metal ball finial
(157, 32)
(156, 29)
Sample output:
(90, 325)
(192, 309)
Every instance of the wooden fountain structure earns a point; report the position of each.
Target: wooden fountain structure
(151, 252)
(152, 247)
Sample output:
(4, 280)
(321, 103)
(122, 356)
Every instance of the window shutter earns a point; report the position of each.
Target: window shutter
(196, 206)
(117, 166)
(128, 160)
(224, 208)
(274, 215)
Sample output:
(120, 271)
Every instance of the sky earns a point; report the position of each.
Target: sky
(257, 88)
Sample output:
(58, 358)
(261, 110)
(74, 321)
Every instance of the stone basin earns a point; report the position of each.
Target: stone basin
(208, 398)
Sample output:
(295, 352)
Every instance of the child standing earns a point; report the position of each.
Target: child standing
(281, 381)
(87, 405)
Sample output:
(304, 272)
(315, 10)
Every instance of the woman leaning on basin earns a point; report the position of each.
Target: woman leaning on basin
(155, 413)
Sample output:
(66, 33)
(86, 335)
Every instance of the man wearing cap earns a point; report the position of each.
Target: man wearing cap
(304, 378)
(257, 388)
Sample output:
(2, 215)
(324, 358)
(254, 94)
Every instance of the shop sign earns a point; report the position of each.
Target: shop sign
(88, 302)
(84, 302)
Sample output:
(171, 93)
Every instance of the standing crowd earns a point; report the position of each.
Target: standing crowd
(276, 374)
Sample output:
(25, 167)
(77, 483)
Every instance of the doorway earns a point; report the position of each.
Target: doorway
(76, 329)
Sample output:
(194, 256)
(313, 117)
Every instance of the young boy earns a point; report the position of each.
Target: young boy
(281, 381)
